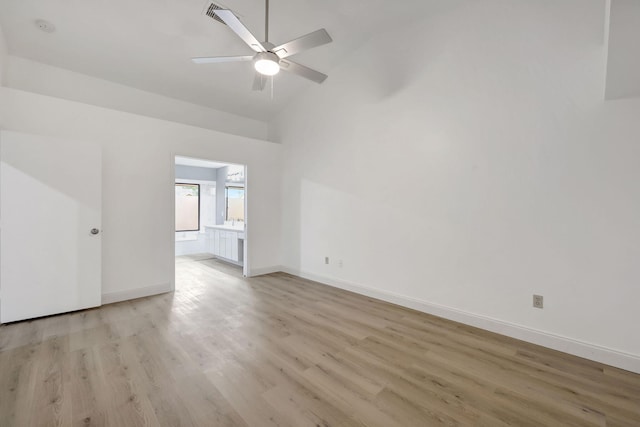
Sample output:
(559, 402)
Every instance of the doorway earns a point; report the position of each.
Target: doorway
(210, 213)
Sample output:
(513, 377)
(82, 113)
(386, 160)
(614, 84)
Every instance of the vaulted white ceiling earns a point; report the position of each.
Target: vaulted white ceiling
(147, 44)
(623, 55)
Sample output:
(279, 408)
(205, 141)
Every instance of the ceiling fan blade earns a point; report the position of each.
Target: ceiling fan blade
(317, 38)
(302, 71)
(218, 59)
(259, 82)
(238, 27)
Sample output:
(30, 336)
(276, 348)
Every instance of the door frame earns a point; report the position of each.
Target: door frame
(246, 271)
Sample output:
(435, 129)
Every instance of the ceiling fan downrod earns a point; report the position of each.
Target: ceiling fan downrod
(266, 22)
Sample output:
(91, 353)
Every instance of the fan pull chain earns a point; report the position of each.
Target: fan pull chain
(271, 87)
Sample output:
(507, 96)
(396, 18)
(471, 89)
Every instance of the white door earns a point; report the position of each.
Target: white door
(50, 204)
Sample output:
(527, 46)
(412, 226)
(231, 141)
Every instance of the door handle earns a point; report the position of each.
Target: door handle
(94, 231)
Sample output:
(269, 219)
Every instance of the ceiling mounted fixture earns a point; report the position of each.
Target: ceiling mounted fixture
(269, 59)
(45, 26)
(267, 63)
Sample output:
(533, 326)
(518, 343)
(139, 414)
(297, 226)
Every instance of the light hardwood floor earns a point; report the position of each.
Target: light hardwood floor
(281, 351)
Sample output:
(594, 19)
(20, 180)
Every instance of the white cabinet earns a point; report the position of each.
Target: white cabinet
(213, 240)
(224, 243)
(234, 247)
(222, 249)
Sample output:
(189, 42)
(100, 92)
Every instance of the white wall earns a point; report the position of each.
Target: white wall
(138, 183)
(623, 62)
(45, 79)
(512, 176)
(191, 242)
(221, 200)
(4, 57)
(196, 173)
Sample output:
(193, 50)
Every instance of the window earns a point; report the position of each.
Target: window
(235, 203)
(187, 207)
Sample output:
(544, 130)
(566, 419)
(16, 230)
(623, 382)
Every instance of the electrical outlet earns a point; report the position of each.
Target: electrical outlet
(326, 260)
(340, 263)
(538, 301)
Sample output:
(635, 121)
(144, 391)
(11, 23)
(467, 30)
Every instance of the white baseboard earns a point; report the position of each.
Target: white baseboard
(627, 361)
(265, 270)
(111, 297)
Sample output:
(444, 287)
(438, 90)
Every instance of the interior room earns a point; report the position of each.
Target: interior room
(304, 213)
(210, 212)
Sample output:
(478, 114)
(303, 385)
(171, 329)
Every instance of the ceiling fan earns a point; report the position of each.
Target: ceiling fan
(268, 59)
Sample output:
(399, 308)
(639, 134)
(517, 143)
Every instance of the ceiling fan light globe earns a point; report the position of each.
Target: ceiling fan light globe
(267, 67)
(267, 64)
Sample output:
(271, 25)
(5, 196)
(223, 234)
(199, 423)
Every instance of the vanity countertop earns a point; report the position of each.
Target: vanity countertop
(238, 228)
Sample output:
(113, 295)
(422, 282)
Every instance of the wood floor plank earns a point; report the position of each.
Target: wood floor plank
(350, 398)
(205, 403)
(87, 389)
(249, 403)
(278, 350)
(52, 379)
(303, 407)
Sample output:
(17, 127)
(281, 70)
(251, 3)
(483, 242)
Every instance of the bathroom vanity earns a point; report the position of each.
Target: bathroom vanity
(226, 242)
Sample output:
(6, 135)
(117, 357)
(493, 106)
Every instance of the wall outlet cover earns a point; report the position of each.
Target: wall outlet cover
(538, 301)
